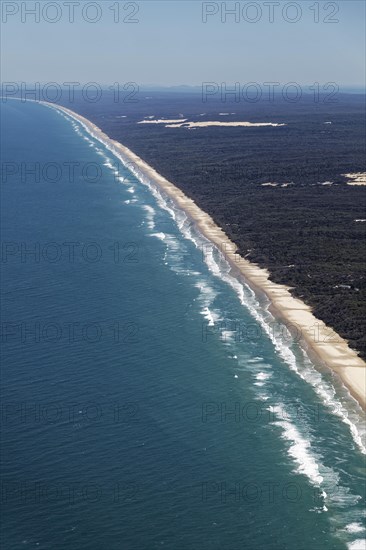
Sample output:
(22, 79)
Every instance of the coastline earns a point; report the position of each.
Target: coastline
(321, 343)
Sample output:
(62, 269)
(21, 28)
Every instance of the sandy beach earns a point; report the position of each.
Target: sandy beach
(323, 345)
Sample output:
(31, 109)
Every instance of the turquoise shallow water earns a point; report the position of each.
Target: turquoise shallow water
(149, 399)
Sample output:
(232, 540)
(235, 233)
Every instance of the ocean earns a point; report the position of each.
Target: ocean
(149, 398)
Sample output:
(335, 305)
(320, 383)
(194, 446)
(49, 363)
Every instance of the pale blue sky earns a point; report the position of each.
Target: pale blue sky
(170, 45)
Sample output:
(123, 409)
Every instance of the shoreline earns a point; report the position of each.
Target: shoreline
(319, 341)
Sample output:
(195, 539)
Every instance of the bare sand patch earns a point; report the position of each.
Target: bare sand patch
(161, 121)
(204, 124)
(358, 178)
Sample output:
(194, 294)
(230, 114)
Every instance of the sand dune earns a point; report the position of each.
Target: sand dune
(204, 124)
(182, 123)
(161, 121)
(356, 179)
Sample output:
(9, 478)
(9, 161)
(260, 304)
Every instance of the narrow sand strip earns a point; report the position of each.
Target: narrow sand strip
(319, 341)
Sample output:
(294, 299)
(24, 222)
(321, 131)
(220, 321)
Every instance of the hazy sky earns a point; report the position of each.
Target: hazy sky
(170, 44)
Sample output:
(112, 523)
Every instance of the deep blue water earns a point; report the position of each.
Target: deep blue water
(148, 398)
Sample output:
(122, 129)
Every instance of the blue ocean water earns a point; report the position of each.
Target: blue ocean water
(149, 400)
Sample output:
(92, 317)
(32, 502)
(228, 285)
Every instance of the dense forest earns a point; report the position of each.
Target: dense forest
(304, 232)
